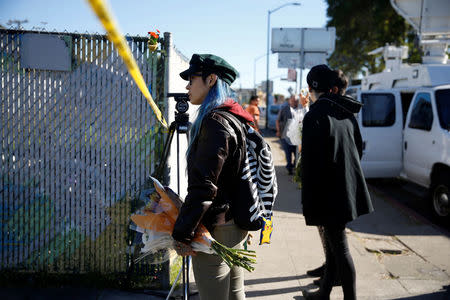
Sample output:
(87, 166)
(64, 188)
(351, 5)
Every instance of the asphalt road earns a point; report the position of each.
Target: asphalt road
(410, 197)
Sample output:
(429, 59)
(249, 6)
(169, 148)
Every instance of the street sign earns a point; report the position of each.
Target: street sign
(313, 59)
(292, 75)
(303, 39)
(319, 39)
(289, 60)
(293, 60)
(286, 39)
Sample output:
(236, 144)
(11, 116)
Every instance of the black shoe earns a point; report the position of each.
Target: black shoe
(336, 282)
(290, 170)
(318, 272)
(314, 295)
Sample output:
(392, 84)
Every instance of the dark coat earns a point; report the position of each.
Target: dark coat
(334, 190)
(284, 115)
(213, 164)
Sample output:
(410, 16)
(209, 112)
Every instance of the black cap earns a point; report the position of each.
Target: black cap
(320, 78)
(210, 64)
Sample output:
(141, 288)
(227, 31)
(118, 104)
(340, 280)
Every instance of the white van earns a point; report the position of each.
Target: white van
(405, 118)
(406, 129)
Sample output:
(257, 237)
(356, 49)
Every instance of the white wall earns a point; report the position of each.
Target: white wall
(177, 63)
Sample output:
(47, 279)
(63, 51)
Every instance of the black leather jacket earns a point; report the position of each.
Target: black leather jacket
(213, 164)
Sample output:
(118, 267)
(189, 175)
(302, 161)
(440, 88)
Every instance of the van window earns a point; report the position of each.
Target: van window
(378, 110)
(352, 91)
(406, 102)
(422, 113)
(443, 107)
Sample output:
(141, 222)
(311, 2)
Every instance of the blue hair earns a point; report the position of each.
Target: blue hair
(216, 96)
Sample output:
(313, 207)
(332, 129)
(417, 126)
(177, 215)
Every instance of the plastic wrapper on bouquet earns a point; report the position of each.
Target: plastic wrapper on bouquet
(156, 221)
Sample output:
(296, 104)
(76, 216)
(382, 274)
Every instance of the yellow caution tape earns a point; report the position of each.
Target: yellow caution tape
(118, 39)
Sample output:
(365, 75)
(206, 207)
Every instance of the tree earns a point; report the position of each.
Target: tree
(362, 26)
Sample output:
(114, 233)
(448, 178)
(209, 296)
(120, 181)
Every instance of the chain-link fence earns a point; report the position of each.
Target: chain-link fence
(78, 141)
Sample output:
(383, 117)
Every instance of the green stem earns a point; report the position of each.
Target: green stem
(236, 257)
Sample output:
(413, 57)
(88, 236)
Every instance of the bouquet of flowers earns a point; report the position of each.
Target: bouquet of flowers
(158, 219)
(153, 40)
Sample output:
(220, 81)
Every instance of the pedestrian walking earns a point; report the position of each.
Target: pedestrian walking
(253, 110)
(334, 191)
(213, 159)
(284, 119)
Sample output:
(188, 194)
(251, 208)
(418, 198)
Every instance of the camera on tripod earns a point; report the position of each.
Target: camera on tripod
(181, 106)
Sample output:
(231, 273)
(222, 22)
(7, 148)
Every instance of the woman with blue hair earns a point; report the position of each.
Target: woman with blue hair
(213, 159)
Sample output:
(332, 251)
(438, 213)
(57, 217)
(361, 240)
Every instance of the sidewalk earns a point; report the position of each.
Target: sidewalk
(396, 255)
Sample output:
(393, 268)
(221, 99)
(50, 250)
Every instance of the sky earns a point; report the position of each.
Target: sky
(234, 29)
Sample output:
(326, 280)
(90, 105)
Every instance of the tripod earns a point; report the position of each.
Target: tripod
(181, 125)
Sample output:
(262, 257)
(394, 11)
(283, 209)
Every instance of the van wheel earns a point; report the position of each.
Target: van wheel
(440, 196)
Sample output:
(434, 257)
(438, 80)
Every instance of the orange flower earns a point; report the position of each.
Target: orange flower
(154, 34)
(161, 218)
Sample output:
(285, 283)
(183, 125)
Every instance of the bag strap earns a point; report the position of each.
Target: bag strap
(239, 129)
(235, 123)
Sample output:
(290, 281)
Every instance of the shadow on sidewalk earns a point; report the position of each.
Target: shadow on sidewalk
(274, 279)
(272, 292)
(276, 291)
(288, 199)
(444, 295)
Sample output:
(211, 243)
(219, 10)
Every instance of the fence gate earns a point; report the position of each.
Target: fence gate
(78, 141)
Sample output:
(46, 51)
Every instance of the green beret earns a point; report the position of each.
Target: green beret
(210, 64)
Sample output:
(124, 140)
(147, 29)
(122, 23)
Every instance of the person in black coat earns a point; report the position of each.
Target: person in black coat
(334, 191)
(339, 83)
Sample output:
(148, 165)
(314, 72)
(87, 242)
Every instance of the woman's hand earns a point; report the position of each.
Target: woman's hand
(304, 99)
(183, 249)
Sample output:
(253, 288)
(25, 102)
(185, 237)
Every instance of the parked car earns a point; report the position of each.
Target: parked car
(273, 115)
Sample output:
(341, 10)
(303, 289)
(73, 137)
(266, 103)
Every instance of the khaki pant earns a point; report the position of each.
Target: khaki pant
(214, 279)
